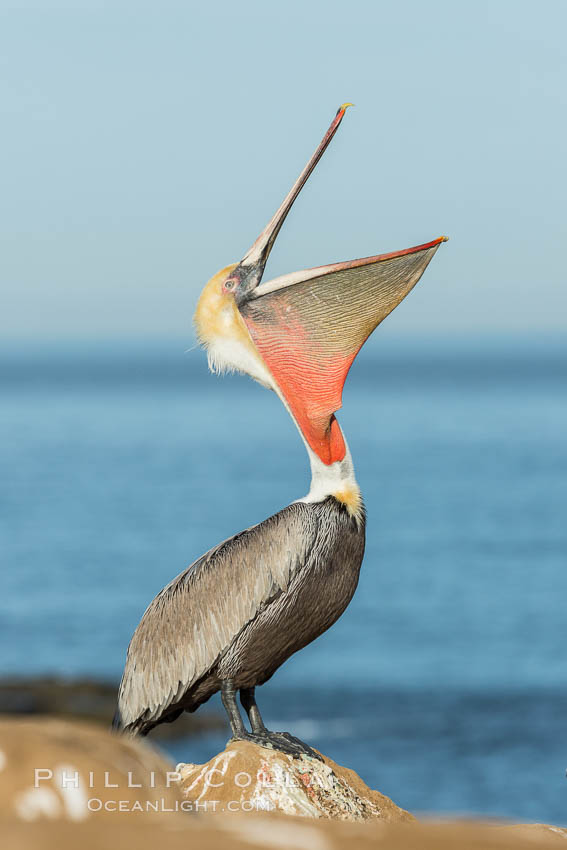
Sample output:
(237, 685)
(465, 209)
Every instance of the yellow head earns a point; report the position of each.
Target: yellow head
(223, 333)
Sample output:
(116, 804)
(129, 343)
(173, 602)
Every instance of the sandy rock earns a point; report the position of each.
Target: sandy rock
(338, 810)
(56, 769)
(272, 832)
(534, 831)
(245, 777)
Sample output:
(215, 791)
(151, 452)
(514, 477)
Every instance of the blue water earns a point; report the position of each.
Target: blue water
(445, 683)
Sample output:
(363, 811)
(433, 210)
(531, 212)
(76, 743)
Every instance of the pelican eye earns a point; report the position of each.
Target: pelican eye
(230, 283)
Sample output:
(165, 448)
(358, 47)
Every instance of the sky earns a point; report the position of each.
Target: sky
(145, 145)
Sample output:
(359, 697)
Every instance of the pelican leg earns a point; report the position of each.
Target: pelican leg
(228, 696)
(248, 701)
(282, 741)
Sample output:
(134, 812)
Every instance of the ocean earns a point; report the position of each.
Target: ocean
(444, 684)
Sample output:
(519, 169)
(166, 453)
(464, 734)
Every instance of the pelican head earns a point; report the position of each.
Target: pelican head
(298, 334)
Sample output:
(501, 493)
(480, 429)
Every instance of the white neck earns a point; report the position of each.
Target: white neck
(337, 480)
(328, 480)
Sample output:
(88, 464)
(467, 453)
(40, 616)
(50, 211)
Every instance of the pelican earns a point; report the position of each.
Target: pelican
(240, 610)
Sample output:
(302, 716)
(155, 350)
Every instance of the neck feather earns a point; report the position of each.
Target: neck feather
(335, 479)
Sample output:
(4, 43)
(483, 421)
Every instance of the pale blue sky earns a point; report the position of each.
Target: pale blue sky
(144, 146)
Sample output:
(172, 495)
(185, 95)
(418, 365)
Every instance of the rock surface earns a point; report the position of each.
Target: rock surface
(272, 832)
(338, 811)
(55, 769)
(245, 777)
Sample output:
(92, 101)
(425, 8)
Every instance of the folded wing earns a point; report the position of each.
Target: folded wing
(189, 625)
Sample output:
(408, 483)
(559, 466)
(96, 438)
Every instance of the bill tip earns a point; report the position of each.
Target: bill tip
(344, 106)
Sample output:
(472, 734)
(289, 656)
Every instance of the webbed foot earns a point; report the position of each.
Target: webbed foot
(279, 741)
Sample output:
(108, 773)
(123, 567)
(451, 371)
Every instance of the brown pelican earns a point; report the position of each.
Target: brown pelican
(235, 615)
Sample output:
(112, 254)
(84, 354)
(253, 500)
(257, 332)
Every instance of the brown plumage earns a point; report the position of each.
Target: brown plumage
(241, 610)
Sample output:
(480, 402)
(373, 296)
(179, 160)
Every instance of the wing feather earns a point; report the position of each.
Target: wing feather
(196, 617)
